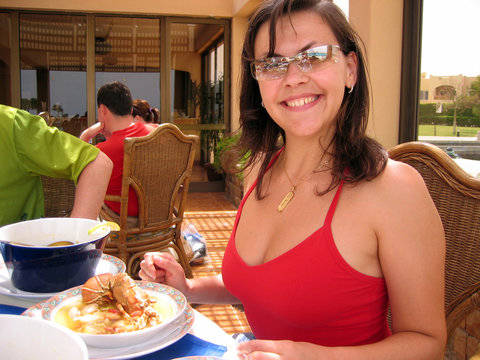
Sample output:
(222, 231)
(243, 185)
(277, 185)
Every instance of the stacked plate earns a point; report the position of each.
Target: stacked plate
(114, 346)
(131, 344)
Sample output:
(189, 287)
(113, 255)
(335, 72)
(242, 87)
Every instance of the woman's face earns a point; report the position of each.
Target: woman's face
(305, 104)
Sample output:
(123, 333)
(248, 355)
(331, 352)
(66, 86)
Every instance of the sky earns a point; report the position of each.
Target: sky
(342, 4)
(451, 37)
(450, 25)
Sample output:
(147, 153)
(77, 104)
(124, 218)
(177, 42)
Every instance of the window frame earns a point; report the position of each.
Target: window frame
(410, 76)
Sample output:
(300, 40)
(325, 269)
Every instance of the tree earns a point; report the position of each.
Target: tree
(469, 104)
(59, 109)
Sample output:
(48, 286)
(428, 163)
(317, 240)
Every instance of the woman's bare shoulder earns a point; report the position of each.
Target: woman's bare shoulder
(398, 176)
(398, 182)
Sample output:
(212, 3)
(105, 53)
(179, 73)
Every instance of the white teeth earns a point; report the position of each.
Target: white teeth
(301, 102)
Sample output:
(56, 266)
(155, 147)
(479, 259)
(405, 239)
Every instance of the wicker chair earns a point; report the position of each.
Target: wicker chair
(46, 116)
(158, 167)
(73, 126)
(457, 198)
(59, 195)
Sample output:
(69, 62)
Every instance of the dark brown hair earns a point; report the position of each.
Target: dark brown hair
(143, 109)
(116, 97)
(261, 137)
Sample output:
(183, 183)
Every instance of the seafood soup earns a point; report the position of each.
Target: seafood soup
(107, 318)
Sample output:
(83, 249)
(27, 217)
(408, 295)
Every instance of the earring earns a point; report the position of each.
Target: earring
(263, 105)
(351, 89)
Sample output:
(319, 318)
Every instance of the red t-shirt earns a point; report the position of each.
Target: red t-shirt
(113, 147)
(310, 293)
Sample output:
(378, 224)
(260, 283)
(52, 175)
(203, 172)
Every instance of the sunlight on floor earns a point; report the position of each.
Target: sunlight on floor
(213, 216)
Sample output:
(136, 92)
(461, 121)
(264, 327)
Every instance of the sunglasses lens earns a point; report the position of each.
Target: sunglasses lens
(264, 70)
(310, 60)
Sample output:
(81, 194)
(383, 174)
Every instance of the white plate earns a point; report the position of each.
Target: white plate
(107, 263)
(206, 357)
(166, 295)
(45, 340)
(178, 330)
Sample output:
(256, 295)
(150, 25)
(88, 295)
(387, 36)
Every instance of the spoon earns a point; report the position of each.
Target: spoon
(61, 243)
(55, 243)
(112, 225)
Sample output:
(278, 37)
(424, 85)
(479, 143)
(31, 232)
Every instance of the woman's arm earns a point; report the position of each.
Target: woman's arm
(91, 187)
(163, 268)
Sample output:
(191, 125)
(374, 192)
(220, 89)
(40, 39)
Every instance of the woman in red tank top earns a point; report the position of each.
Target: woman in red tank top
(325, 239)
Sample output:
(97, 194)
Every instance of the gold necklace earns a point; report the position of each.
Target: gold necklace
(286, 200)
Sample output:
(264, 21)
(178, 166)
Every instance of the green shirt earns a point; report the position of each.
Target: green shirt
(30, 148)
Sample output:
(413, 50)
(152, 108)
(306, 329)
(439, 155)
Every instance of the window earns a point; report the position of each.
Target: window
(450, 69)
(423, 94)
(197, 67)
(55, 63)
(128, 50)
(5, 56)
(440, 97)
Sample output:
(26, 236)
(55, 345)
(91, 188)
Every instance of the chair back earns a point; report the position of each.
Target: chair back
(457, 198)
(73, 126)
(59, 196)
(158, 167)
(46, 116)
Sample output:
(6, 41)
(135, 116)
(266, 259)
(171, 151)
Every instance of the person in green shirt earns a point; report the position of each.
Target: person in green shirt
(30, 148)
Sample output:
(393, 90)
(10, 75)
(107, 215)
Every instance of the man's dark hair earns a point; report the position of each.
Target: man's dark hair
(116, 97)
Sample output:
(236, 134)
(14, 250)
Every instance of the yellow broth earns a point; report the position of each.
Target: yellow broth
(164, 309)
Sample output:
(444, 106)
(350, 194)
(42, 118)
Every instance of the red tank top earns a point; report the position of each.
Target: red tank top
(310, 293)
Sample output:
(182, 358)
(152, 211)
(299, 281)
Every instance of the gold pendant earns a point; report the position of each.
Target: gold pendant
(286, 200)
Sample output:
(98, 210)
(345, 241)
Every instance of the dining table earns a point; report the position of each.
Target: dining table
(204, 338)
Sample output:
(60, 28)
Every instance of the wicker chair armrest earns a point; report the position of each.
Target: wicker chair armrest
(476, 355)
(464, 305)
(115, 198)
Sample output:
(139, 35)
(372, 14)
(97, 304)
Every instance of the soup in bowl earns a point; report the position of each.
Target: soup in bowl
(52, 254)
(102, 321)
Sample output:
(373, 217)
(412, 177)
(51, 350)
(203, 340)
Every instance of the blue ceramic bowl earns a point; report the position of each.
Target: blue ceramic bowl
(36, 267)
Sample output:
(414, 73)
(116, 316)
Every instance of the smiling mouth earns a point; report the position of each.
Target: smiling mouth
(301, 102)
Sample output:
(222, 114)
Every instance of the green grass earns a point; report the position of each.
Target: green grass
(444, 130)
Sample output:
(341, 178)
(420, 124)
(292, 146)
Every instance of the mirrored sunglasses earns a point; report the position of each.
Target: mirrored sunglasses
(310, 60)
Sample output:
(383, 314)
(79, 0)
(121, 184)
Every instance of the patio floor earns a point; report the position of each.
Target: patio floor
(213, 216)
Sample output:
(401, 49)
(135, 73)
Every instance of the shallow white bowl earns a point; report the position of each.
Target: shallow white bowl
(162, 292)
(24, 337)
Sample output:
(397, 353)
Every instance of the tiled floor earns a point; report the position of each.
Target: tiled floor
(213, 216)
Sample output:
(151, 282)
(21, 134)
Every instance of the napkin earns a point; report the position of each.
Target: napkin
(13, 310)
(189, 345)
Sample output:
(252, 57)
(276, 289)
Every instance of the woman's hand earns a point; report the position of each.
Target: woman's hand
(163, 268)
(281, 349)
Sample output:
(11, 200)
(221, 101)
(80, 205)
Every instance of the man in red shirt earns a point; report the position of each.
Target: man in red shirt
(116, 123)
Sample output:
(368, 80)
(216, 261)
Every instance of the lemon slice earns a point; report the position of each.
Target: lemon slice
(112, 225)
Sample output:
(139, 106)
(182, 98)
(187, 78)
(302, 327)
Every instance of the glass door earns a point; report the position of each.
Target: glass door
(197, 82)
(449, 96)
(53, 69)
(128, 50)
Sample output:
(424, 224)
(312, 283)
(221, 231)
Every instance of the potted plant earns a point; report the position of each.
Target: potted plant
(209, 98)
(233, 181)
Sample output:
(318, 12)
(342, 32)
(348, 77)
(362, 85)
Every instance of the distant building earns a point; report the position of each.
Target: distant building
(439, 89)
